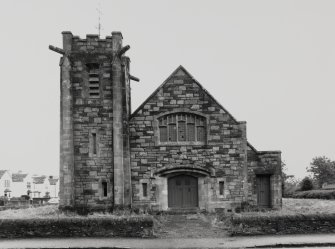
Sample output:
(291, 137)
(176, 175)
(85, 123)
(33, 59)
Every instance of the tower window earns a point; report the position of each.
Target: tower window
(104, 189)
(182, 127)
(93, 80)
(94, 143)
(221, 187)
(145, 189)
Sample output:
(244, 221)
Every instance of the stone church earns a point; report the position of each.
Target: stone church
(180, 149)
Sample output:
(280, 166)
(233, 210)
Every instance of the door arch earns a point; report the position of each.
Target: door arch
(183, 191)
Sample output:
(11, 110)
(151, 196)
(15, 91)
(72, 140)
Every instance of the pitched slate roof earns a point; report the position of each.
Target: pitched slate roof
(39, 179)
(18, 177)
(328, 186)
(52, 181)
(2, 172)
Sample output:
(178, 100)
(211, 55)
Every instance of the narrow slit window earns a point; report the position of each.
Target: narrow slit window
(94, 143)
(145, 189)
(221, 187)
(104, 189)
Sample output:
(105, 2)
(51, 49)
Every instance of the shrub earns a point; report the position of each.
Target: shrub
(282, 224)
(306, 184)
(77, 227)
(315, 194)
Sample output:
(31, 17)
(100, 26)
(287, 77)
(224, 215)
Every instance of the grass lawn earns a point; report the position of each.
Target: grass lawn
(305, 206)
(290, 207)
(51, 211)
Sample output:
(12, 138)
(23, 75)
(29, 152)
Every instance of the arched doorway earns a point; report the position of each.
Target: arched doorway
(183, 191)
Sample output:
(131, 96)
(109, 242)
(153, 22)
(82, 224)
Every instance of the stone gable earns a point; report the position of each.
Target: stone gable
(222, 155)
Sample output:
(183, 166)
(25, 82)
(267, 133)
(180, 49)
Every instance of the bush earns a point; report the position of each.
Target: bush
(315, 194)
(77, 227)
(283, 224)
(306, 184)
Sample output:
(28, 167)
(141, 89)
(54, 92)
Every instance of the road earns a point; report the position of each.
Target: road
(232, 242)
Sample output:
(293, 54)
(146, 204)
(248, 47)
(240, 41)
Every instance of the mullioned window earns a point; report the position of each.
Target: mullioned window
(182, 127)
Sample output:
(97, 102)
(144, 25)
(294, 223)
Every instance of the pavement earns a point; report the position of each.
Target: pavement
(227, 242)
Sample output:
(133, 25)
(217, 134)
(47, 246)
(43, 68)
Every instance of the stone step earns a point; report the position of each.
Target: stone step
(184, 211)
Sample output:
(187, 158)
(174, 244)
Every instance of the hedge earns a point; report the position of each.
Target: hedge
(77, 227)
(283, 224)
(315, 194)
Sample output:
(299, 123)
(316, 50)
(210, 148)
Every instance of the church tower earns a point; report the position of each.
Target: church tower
(94, 114)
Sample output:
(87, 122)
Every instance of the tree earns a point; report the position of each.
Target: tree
(289, 182)
(323, 170)
(306, 184)
(47, 195)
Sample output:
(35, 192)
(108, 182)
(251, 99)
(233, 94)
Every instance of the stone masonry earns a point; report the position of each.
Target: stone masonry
(95, 102)
(110, 157)
(223, 157)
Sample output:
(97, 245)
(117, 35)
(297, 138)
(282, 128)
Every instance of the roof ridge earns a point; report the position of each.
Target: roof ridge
(157, 89)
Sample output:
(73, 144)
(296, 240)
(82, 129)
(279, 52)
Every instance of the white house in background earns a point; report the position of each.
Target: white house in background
(5, 183)
(40, 186)
(53, 186)
(21, 184)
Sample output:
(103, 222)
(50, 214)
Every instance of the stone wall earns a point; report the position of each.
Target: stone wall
(223, 155)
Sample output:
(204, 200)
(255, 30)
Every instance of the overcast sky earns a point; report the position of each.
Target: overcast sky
(270, 63)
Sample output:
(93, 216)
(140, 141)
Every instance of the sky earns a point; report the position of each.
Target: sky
(270, 63)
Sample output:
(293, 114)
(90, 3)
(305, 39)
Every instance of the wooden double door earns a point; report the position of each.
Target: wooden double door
(183, 191)
(263, 190)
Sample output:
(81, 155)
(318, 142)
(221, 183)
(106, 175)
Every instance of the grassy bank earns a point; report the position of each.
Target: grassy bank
(48, 221)
(327, 194)
(298, 206)
(52, 211)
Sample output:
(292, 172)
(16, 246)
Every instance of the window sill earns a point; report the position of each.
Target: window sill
(180, 143)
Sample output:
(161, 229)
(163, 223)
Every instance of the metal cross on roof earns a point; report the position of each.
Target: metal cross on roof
(99, 27)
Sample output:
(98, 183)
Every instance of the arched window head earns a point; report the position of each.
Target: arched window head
(182, 128)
